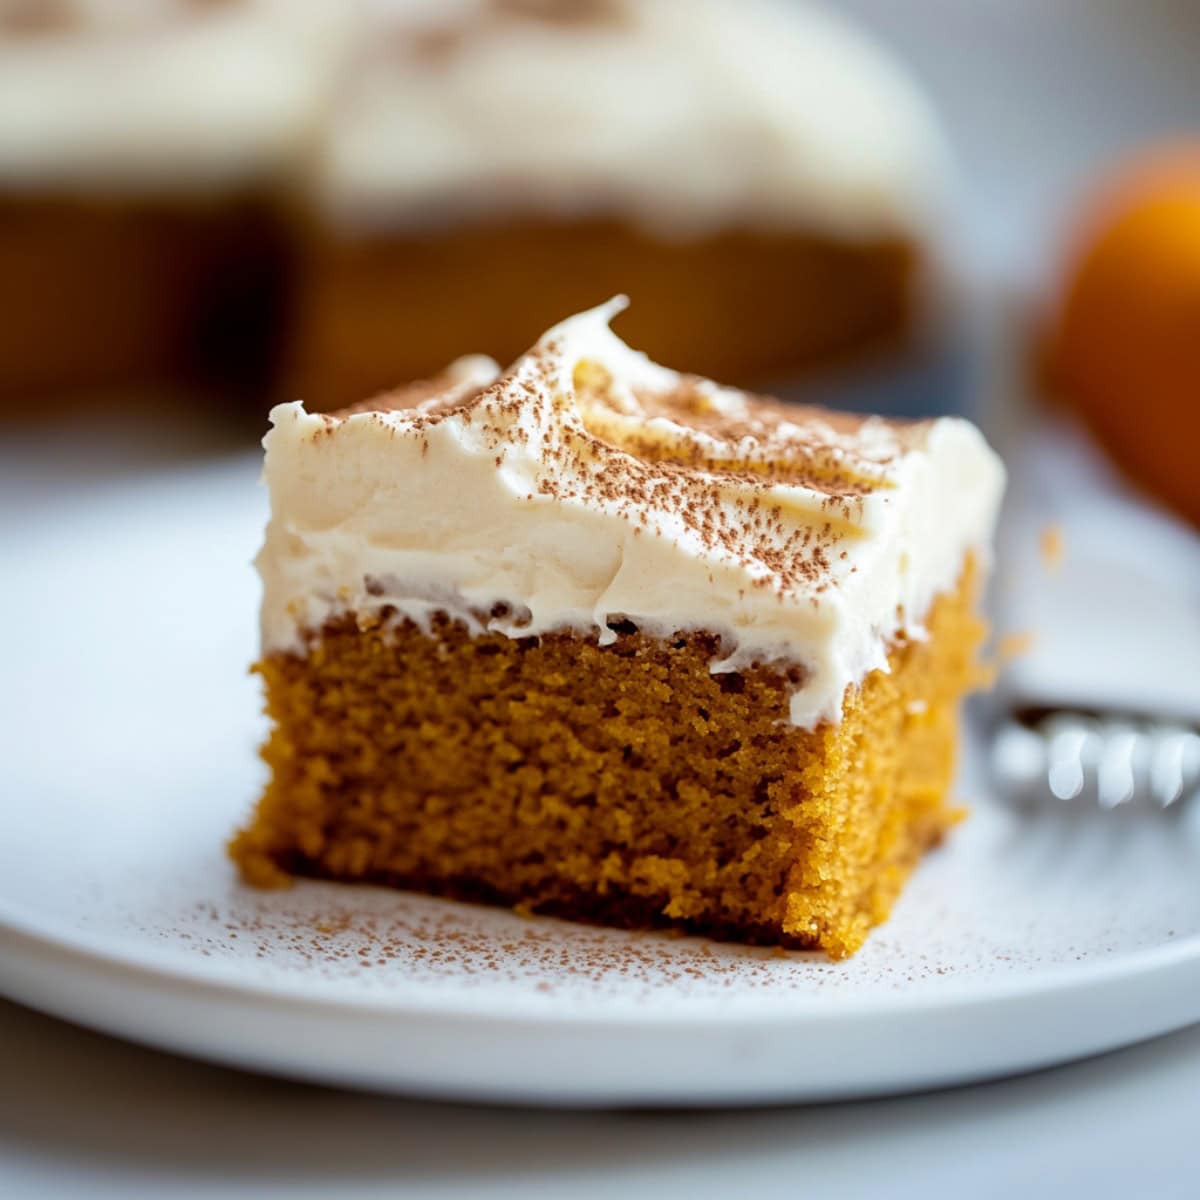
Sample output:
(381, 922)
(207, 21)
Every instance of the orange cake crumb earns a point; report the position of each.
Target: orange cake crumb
(661, 794)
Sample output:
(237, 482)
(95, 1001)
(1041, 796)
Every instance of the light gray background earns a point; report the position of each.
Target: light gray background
(1040, 95)
(81, 1115)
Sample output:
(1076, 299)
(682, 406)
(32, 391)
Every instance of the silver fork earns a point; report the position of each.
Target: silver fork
(1104, 760)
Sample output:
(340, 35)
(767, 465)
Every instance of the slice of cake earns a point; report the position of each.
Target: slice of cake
(593, 638)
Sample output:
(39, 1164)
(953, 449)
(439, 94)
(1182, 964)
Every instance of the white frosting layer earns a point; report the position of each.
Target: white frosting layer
(166, 95)
(523, 496)
(683, 115)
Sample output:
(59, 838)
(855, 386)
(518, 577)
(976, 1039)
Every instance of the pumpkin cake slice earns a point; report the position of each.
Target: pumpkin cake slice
(593, 638)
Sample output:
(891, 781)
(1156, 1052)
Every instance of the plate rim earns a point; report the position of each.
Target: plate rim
(106, 952)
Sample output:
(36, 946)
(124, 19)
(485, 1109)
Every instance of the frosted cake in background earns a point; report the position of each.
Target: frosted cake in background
(143, 145)
(322, 198)
(764, 181)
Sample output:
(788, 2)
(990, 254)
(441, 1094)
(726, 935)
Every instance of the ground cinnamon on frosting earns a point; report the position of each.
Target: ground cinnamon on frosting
(670, 451)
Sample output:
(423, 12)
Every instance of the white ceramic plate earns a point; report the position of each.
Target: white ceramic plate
(129, 735)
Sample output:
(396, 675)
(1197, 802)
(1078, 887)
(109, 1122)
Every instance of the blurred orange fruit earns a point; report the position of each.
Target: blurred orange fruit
(1124, 345)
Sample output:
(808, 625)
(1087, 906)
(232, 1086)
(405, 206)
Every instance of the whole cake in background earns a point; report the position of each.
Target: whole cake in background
(322, 198)
(760, 178)
(593, 638)
(143, 148)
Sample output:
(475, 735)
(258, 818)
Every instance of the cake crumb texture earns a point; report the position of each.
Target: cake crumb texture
(625, 784)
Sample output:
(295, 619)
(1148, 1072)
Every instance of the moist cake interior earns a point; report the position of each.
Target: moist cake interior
(626, 784)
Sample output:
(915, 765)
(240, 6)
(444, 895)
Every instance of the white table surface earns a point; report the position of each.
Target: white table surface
(83, 1115)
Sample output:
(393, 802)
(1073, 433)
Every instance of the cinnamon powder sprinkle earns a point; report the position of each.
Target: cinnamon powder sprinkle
(731, 468)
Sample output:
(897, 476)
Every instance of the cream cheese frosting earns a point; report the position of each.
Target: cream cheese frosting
(586, 486)
(683, 116)
(162, 94)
